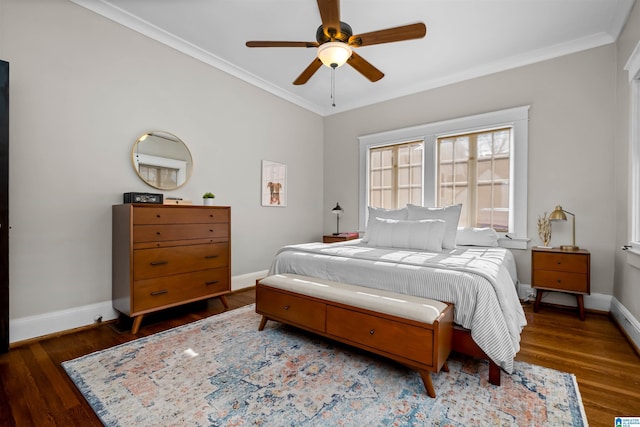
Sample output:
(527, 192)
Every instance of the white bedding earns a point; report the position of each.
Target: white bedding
(480, 281)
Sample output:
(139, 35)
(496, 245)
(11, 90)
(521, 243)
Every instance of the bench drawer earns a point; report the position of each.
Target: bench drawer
(408, 341)
(292, 309)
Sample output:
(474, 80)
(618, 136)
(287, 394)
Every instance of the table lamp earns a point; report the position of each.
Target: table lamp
(558, 214)
(337, 210)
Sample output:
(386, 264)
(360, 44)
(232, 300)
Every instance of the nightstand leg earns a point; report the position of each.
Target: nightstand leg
(536, 303)
(580, 299)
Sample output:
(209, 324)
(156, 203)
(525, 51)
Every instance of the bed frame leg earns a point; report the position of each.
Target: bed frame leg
(263, 323)
(428, 384)
(494, 373)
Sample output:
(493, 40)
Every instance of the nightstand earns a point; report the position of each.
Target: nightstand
(561, 271)
(342, 237)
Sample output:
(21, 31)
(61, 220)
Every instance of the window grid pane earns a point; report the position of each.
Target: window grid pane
(473, 169)
(395, 175)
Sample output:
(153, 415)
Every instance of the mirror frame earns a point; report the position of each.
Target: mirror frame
(166, 160)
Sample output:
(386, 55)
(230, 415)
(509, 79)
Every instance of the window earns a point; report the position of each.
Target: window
(633, 68)
(473, 169)
(395, 175)
(158, 176)
(479, 161)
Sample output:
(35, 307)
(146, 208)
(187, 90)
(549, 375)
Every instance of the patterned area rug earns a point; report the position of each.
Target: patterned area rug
(221, 371)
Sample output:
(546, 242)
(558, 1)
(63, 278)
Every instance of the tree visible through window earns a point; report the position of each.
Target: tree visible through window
(395, 175)
(474, 169)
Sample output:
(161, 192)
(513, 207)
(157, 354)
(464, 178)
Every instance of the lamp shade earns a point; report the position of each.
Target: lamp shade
(337, 210)
(557, 214)
(334, 54)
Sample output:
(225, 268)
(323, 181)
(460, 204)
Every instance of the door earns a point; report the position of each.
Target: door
(4, 206)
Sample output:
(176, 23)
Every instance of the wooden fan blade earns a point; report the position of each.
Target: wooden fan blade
(330, 15)
(281, 44)
(364, 67)
(308, 72)
(396, 34)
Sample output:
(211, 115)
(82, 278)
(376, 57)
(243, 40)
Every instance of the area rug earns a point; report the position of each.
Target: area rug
(221, 371)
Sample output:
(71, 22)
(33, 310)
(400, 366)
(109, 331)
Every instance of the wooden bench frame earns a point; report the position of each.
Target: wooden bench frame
(418, 345)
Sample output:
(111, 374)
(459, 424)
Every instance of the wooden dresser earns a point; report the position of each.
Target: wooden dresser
(166, 255)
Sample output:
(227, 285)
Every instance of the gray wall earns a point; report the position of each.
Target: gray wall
(571, 136)
(83, 88)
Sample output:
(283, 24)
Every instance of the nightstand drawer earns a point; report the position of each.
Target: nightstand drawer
(561, 280)
(561, 262)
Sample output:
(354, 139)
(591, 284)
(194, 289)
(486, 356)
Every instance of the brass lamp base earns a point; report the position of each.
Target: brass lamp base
(569, 248)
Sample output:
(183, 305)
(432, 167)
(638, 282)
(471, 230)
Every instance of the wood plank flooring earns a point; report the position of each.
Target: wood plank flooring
(35, 390)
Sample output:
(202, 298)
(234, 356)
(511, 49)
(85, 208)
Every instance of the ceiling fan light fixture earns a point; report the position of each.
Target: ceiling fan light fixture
(334, 54)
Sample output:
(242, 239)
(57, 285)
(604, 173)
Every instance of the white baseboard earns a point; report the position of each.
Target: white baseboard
(26, 328)
(30, 327)
(625, 319)
(246, 280)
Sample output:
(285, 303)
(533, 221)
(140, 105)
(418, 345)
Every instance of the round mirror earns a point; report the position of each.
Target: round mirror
(162, 160)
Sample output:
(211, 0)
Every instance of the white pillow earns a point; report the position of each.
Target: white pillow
(469, 236)
(384, 214)
(425, 235)
(450, 214)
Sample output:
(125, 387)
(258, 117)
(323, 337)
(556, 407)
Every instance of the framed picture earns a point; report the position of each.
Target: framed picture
(274, 184)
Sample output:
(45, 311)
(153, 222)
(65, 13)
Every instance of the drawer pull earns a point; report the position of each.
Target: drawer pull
(212, 282)
(211, 256)
(156, 293)
(157, 233)
(154, 263)
(286, 307)
(373, 331)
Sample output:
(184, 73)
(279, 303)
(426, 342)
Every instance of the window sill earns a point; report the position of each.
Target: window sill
(514, 243)
(633, 256)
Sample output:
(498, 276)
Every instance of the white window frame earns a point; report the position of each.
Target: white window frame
(517, 118)
(633, 68)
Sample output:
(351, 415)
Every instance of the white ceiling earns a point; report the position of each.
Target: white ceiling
(465, 39)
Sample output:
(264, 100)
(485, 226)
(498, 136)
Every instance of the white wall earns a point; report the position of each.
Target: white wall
(571, 135)
(83, 88)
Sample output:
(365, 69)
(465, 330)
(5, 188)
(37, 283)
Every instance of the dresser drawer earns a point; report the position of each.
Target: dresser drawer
(295, 310)
(152, 293)
(397, 338)
(561, 262)
(179, 215)
(158, 262)
(166, 232)
(561, 280)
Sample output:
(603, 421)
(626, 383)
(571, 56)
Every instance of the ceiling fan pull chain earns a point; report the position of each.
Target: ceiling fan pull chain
(333, 85)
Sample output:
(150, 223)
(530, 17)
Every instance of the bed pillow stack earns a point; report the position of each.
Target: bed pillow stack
(382, 214)
(413, 227)
(449, 214)
(424, 235)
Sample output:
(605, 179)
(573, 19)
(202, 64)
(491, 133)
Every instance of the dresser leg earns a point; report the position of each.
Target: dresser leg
(137, 321)
(580, 299)
(224, 302)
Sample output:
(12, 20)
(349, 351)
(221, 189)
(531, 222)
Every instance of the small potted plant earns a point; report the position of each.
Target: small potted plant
(207, 198)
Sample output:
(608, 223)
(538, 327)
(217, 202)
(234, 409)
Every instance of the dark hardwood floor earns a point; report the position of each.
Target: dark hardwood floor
(35, 390)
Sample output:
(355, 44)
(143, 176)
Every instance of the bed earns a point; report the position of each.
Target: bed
(400, 255)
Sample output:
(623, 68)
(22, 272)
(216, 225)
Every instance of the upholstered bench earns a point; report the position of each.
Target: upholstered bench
(416, 332)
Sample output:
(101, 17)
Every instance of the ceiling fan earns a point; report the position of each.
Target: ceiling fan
(335, 42)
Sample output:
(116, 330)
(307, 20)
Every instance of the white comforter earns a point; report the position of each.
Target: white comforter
(479, 281)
